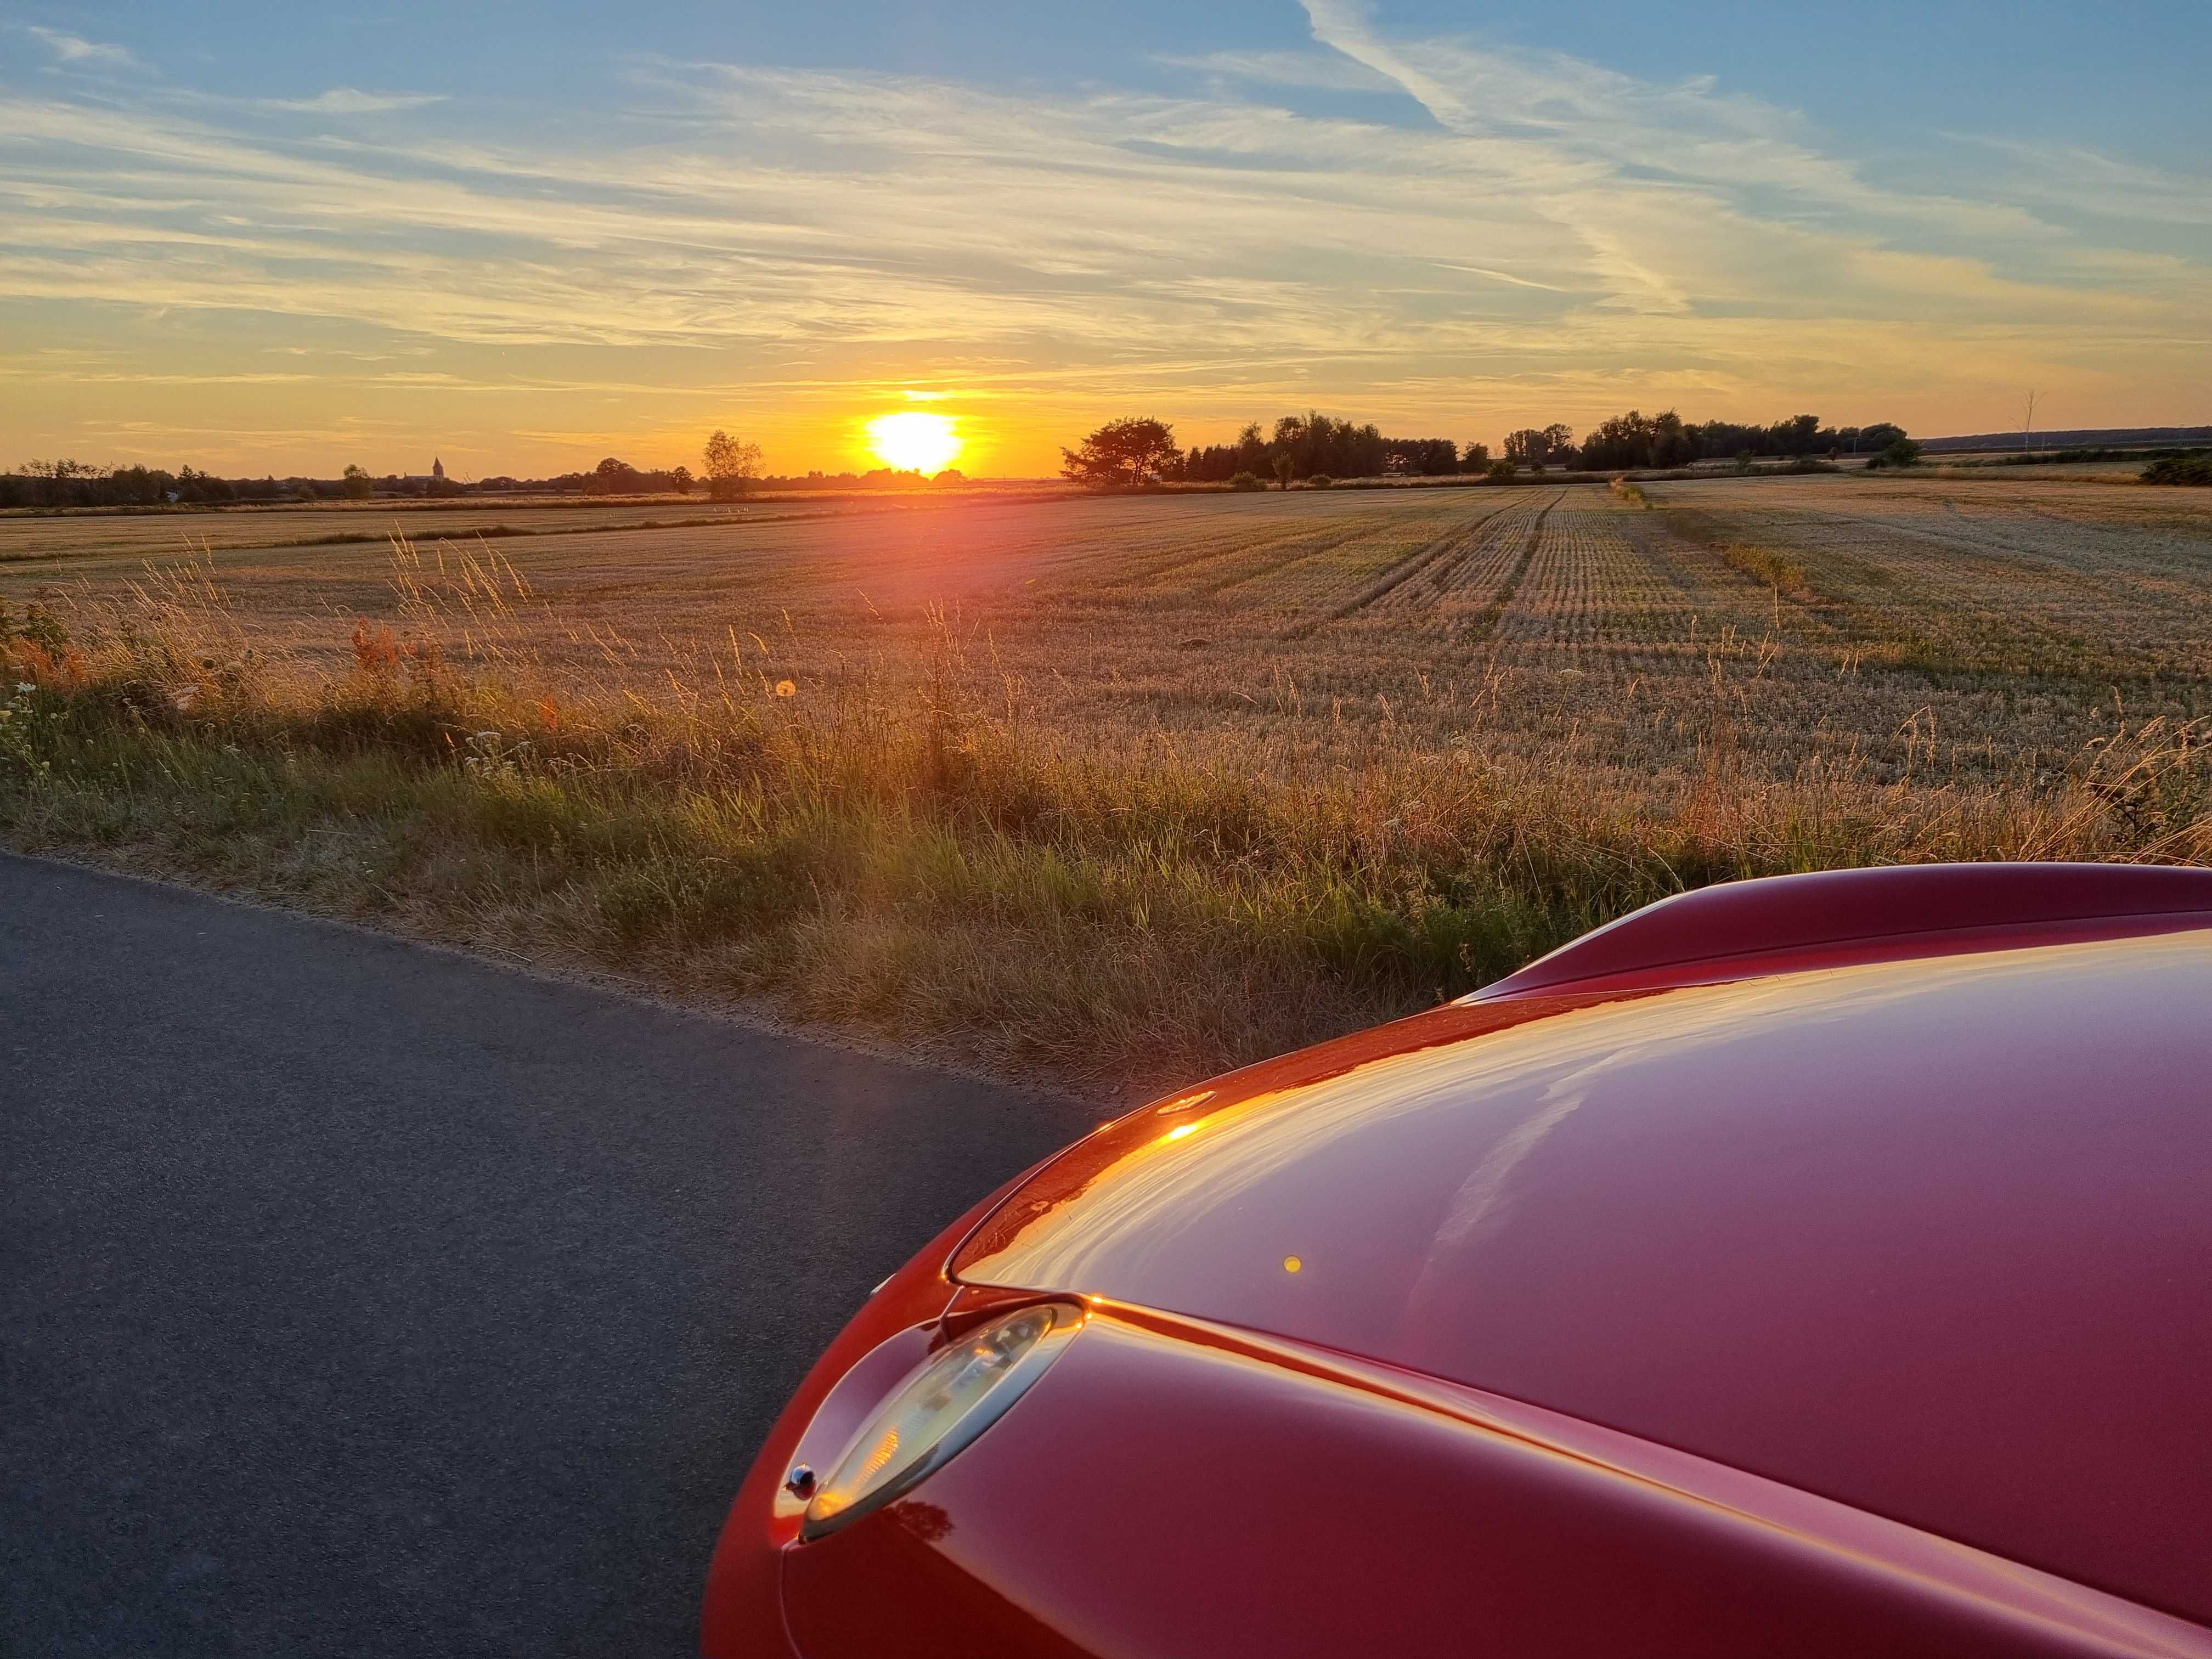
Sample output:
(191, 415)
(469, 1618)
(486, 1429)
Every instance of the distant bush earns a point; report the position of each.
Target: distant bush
(1902, 452)
(1808, 464)
(1502, 472)
(2180, 469)
(1244, 481)
(1320, 480)
(2049, 458)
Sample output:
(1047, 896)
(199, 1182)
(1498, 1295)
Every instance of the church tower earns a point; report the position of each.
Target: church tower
(437, 467)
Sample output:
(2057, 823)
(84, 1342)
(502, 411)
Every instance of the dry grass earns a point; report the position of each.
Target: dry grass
(1121, 793)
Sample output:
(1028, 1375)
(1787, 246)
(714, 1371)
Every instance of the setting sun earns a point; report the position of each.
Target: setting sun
(913, 442)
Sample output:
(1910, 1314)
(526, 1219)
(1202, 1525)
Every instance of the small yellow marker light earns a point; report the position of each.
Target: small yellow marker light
(1292, 1264)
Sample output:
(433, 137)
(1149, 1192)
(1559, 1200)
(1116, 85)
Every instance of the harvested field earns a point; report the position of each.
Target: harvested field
(96, 535)
(2003, 621)
(1128, 788)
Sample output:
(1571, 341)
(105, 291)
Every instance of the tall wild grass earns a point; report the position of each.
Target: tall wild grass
(914, 856)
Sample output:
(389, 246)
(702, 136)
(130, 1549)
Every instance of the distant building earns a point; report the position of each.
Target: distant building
(437, 467)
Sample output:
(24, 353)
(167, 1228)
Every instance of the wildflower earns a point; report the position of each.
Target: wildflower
(786, 689)
(24, 688)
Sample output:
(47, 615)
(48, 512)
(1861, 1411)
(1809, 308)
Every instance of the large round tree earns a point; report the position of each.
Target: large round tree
(1123, 454)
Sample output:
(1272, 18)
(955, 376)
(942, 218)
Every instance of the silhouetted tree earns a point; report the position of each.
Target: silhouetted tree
(1314, 443)
(1530, 446)
(1427, 458)
(1123, 454)
(613, 478)
(732, 465)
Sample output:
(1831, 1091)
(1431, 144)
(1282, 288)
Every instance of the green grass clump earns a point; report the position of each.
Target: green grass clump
(1784, 576)
(2195, 469)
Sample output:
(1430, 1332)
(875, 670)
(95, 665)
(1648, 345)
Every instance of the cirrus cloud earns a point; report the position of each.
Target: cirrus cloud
(1449, 237)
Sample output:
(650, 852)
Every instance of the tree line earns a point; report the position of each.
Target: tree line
(82, 484)
(1307, 447)
(85, 483)
(730, 467)
(1314, 445)
(1310, 448)
(1664, 439)
(1314, 448)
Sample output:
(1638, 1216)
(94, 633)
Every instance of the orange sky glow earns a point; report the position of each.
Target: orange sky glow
(1443, 235)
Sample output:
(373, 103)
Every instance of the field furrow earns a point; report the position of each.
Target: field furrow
(1410, 572)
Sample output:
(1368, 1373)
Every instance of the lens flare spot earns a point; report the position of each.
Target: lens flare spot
(1292, 1264)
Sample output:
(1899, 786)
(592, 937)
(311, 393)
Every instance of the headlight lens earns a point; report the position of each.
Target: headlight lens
(949, 1400)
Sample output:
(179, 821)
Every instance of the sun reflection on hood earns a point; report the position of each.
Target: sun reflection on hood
(1835, 1226)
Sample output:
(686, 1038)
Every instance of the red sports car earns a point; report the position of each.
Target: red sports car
(1819, 1266)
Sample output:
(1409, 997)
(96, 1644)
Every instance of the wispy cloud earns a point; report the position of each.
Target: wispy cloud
(75, 48)
(2087, 181)
(346, 100)
(1325, 71)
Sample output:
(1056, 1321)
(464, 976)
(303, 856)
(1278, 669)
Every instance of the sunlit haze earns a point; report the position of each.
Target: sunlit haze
(911, 441)
(280, 240)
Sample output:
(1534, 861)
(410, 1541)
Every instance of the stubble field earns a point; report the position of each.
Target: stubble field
(1129, 787)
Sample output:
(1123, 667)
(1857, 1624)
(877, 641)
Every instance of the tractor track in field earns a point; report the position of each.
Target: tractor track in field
(1141, 578)
(1484, 622)
(1451, 575)
(1455, 541)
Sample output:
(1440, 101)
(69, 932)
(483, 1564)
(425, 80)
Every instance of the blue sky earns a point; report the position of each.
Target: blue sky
(279, 239)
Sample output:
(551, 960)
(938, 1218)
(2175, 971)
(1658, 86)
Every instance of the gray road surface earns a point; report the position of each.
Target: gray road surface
(360, 1299)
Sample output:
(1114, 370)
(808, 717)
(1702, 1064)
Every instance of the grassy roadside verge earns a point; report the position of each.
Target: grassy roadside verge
(925, 867)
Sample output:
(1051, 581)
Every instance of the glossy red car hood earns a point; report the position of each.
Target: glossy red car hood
(1932, 1237)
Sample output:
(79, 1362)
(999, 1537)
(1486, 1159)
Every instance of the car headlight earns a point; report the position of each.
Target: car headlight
(946, 1402)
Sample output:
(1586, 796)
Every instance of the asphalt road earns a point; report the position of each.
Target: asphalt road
(361, 1299)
